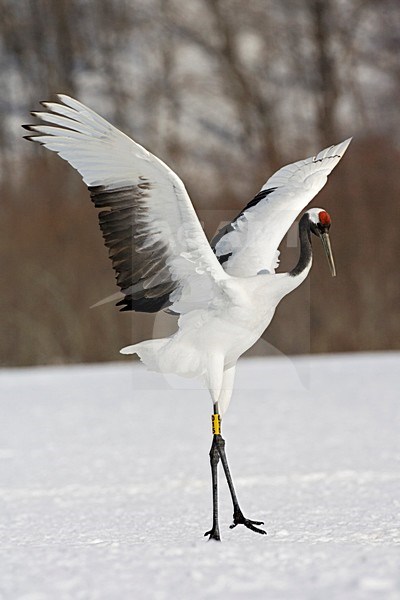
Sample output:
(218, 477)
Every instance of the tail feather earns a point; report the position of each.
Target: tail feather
(168, 355)
(148, 352)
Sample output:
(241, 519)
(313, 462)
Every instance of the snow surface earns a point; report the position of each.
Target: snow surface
(105, 486)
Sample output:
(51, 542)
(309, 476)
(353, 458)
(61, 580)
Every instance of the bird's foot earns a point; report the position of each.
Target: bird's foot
(240, 519)
(214, 534)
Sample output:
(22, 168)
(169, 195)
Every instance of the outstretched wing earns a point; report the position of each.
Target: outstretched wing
(249, 244)
(157, 246)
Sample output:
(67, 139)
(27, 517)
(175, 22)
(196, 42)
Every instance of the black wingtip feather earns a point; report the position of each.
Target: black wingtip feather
(147, 305)
(45, 103)
(125, 309)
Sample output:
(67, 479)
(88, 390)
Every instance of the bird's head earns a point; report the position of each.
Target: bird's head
(320, 222)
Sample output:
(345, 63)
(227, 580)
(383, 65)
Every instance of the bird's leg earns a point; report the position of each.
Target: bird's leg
(238, 516)
(214, 459)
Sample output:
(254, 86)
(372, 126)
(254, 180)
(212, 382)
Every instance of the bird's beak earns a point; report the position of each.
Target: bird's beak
(326, 242)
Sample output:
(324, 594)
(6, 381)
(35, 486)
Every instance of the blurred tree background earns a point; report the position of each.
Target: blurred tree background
(225, 92)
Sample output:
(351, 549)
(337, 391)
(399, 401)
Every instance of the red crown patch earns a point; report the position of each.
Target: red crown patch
(324, 218)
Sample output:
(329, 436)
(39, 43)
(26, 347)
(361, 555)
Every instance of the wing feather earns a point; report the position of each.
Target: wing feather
(249, 244)
(156, 244)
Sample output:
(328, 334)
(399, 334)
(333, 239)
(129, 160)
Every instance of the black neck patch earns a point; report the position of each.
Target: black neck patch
(305, 246)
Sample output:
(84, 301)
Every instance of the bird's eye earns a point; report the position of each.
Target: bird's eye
(324, 218)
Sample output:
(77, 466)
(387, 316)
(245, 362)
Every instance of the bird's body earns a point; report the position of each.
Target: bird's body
(236, 319)
(225, 293)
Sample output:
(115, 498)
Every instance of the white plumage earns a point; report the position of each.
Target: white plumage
(224, 309)
(225, 298)
(259, 231)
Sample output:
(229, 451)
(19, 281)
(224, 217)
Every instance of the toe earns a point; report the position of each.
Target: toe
(213, 535)
(256, 529)
(249, 523)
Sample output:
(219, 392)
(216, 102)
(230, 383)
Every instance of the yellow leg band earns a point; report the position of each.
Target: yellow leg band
(216, 424)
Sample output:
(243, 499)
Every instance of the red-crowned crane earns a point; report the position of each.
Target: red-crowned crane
(225, 293)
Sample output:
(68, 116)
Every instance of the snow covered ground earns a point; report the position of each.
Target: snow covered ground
(105, 486)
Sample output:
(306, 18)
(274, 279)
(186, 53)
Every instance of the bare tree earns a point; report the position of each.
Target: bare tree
(224, 92)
